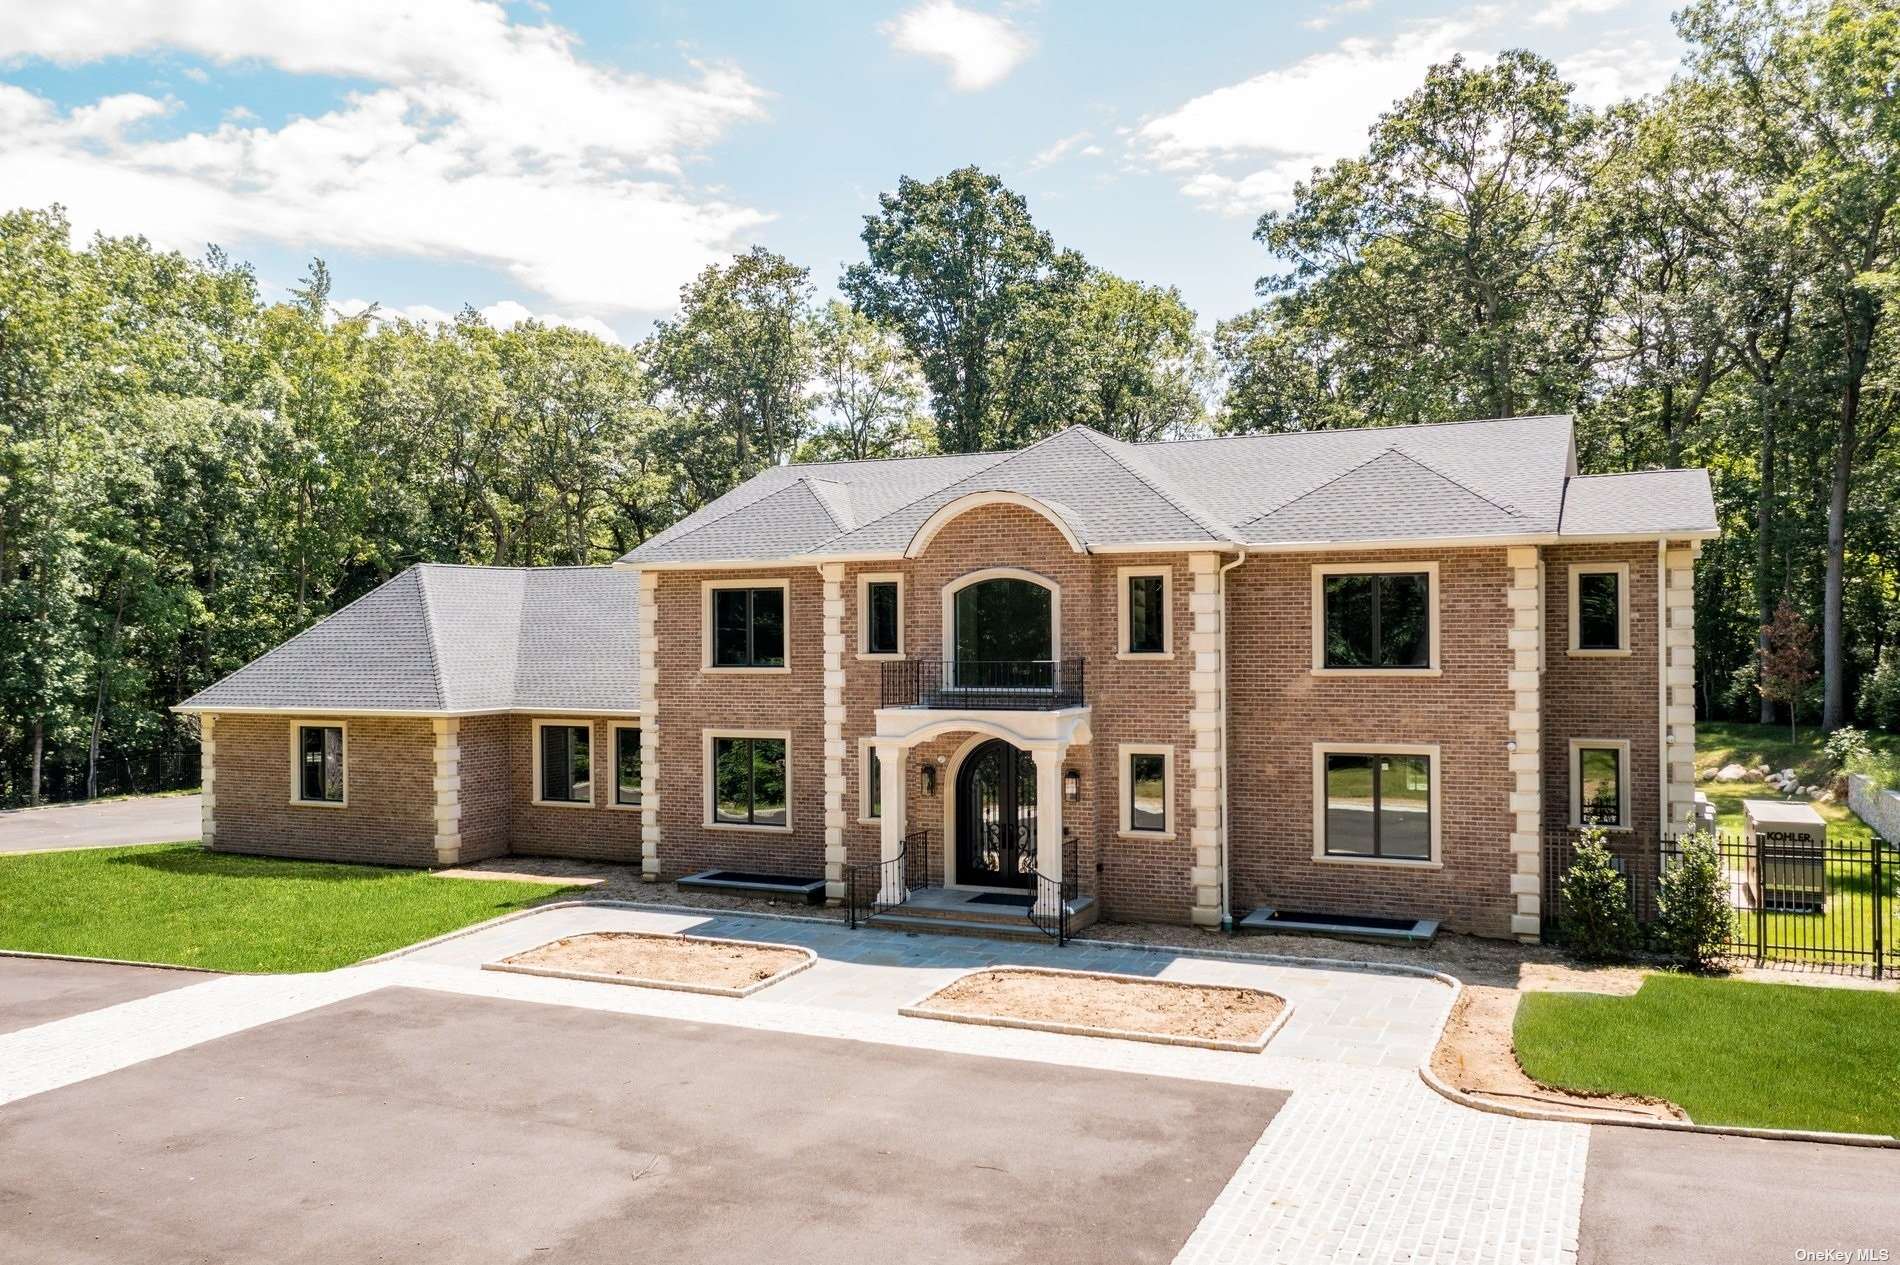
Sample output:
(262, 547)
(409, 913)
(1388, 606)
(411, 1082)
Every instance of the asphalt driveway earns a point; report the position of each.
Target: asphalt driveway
(107, 823)
(1692, 1199)
(422, 1126)
(40, 990)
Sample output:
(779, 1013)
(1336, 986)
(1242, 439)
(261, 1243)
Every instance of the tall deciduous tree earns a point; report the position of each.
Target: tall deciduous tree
(869, 391)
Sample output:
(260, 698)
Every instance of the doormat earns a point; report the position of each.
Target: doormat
(1003, 898)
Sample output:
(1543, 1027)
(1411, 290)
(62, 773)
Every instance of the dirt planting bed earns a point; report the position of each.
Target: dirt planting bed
(699, 964)
(1216, 1016)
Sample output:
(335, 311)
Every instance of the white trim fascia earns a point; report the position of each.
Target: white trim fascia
(950, 511)
(947, 595)
(708, 819)
(1434, 664)
(613, 755)
(706, 590)
(1169, 827)
(865, 580)
(1621, 570)
(1122, 576)
(1436, 777)
(593, 778)
(297, 726)
(1574, 776)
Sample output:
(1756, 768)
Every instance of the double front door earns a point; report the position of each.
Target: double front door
(996, 817)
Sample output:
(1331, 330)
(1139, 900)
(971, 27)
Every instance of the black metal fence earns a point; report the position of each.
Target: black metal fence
(64, 779)
(962, 684)
(1832, 906)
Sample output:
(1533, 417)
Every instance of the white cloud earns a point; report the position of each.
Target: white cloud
(1606, 75)
(1559, 12)
(481, 140)
(1072, 143)
(504, 314)
(1333, 12)
(980, 48)
(1285, 122)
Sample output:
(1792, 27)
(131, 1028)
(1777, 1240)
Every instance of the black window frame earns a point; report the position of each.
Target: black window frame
(871, 645)
(1378, 852)
(1158, 611)
(1167, 792)
(873, 785)
(781, 593)
(1615, 576)
(1377, 579)
(750, 820)
(621, 734)
(547, 767)
(305, 765)
(1584, 817)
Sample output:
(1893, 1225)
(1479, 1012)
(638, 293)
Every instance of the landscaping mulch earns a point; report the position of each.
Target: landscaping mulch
(687, 960)
(1209, 1012)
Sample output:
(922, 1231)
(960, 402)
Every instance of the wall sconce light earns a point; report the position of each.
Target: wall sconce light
(1071, 784)
(1511, 744)
(930, 780)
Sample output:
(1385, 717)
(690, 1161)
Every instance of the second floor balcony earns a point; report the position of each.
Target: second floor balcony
(984, 684)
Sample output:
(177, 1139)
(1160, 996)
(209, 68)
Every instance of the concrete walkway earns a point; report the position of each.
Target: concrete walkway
(1364, 1163)
(105, 824)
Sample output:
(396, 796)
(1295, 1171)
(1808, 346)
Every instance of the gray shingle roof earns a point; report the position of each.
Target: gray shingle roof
(457, 639)
(1643, 503)
(1454, 480)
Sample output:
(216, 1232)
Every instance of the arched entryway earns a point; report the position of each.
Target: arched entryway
(996, 816)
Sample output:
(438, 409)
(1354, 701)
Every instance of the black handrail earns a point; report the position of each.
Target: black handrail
(1063, 890)
(985, 684)
(907, 872)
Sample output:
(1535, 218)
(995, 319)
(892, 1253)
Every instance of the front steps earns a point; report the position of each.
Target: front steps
(951, 912)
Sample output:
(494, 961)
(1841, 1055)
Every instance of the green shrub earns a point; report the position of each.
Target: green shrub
(1845, 746)
(1692, 909)
(1597, 923)
(1739, 696)
(1880, 692)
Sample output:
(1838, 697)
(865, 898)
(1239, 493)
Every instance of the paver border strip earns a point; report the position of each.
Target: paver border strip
(153, 966)
(677, 986)
(918, 1010)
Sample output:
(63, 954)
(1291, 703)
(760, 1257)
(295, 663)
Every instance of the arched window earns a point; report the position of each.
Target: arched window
(1002, 630)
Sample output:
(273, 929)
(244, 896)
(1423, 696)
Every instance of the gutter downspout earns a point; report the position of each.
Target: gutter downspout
(1226, 763)
(1662, 691)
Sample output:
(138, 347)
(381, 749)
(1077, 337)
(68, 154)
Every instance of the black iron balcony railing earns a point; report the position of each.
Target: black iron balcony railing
(960, 684)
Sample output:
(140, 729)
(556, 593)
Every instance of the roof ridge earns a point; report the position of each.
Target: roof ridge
(836, 504)
(429, 637)
(1003, 458)
(669, 534)
(1416, 460)
(1388, 450)
(1152, 478)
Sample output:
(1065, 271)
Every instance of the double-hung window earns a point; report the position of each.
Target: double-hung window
(1146, 778)
(319, 765)
(1146, 621)
(1375, 620)
(565, 755)
(880, 616)
(746, 626)
(1599, 785)
(750, 780)
(1376, 805)
(1599, 609)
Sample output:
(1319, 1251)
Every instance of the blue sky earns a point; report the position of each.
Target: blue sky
(579, 161)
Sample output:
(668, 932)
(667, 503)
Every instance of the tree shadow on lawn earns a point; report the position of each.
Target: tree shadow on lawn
(195, 861)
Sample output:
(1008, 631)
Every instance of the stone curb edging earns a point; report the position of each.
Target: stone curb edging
(678, 986)
(918, 1010)
(154, 966)
(1556, 1116)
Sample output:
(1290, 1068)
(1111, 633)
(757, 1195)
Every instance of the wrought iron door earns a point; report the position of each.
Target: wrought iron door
(996, 817)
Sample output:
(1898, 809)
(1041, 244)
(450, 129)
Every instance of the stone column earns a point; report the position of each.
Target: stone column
(1206, 721)
(647, 621)
(833, 573)
(1678, 689)
(1048, 829)
(448, 790)
(208, 779)
(891, 886)
(1524, 597)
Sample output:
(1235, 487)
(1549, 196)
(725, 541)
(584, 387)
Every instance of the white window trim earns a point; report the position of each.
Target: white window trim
(1437, 778)
(297, 726)
(1124, 784)
(962, 582)
(1575, 777)
(1434, 665)
(613, 753)
(709, 818)
(706, 590)
(593, 777)
(865, 746)
(1621, 570)
(1122, 576)
(865, 580)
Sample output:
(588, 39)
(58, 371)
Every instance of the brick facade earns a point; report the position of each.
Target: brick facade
(1260, 735)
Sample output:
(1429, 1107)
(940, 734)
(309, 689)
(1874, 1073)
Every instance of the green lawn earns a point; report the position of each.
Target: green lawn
(179, 904)
(1781, 1056)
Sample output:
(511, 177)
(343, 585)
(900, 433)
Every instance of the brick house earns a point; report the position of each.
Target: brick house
(1349, 673)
